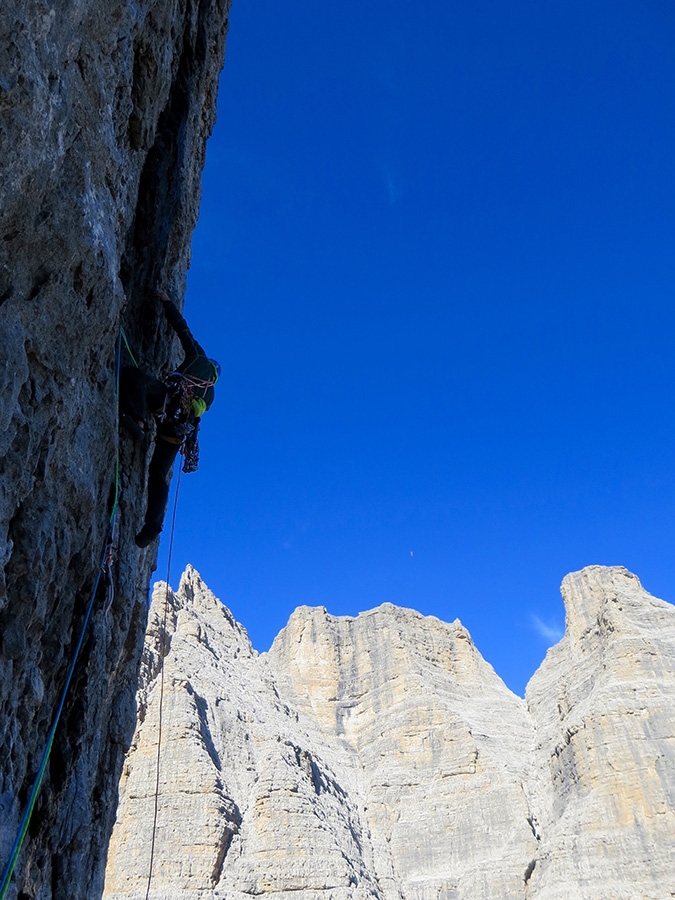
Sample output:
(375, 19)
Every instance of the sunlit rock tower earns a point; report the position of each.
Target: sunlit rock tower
(105, 108)
(381, 757)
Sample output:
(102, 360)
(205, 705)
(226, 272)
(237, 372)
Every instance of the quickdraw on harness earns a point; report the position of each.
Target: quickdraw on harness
(190, 451)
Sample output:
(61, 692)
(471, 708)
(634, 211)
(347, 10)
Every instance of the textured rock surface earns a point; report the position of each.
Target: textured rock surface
(104, 111)
(382, 757)
(434, 742)
(246, 804)
(604, 706)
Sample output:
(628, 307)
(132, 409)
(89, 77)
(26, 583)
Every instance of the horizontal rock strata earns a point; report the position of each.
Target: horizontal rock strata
(381, 756)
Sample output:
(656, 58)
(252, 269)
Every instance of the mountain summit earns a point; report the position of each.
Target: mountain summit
(381, 756)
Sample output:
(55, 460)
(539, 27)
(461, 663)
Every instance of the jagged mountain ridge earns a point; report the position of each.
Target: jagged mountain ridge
(105, 108)
(382, 757)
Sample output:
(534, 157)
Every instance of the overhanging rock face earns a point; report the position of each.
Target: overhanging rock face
(382, 757)
(105, 107)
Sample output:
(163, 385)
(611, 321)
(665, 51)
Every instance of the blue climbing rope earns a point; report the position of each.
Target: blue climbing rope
(25, 821)
(37, 783)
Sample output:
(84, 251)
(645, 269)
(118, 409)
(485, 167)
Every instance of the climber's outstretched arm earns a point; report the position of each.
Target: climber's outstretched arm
(179, 325)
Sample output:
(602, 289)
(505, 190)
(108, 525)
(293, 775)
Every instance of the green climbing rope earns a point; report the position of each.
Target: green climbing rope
(126, 344)
(37, 783)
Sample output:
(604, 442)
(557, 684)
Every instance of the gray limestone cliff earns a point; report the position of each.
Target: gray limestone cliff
(382, 757)
(105, 107)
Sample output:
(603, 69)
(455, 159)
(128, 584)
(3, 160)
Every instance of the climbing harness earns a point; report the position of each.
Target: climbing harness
(180, 413)
(180, 401)
(177, 400)
(162, 651)
(103, 565)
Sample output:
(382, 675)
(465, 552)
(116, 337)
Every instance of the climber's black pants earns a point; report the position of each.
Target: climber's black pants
(159, 473)
(140, 393)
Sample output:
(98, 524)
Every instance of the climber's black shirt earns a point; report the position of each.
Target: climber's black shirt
(196, 364)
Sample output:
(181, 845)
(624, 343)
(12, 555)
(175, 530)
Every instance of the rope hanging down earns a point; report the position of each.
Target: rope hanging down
(37, 783)
(126, 342)
(191, 453)
(162, 647)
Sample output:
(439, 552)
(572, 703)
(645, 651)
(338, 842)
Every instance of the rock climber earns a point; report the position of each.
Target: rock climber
(177, 405)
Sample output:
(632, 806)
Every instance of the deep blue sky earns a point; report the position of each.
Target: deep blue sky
(435, 258)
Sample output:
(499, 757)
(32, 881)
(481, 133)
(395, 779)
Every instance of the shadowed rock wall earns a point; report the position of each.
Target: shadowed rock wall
(382, 757)
(105, 107)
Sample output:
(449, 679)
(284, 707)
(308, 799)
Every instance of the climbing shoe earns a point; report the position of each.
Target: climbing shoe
(135, 427)
(146, 536)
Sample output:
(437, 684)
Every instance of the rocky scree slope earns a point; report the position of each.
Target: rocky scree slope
(105, 108)
(382, 757)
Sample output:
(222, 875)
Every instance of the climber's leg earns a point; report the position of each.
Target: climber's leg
(139, 393)
(158, 490)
